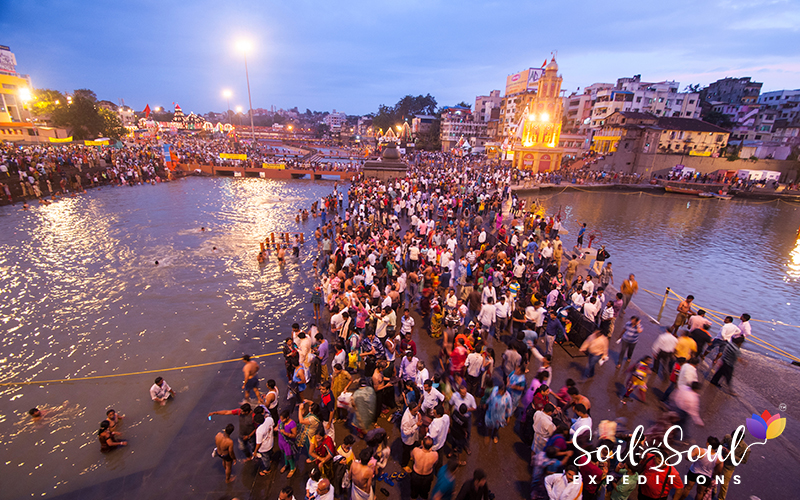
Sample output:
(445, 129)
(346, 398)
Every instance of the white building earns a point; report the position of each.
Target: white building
(484, 104)
(632, 94)
(335, 121)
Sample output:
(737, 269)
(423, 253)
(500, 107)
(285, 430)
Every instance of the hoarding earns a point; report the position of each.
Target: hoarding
(8, 62)
(524, 80)
(233, 156)
(274, 166)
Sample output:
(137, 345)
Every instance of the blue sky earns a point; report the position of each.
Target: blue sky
(354, 55)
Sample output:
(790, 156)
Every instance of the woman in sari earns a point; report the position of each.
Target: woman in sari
(498, 410)
(287, 441)
(309, 424)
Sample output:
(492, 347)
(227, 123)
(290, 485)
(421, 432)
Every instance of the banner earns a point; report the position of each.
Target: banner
(274, 166)
(65, 139)
(233, 156)
(699, 153)
(96, 143)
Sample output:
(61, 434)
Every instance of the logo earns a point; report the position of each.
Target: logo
(766, 426)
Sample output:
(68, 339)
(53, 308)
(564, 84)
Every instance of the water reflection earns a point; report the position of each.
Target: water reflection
(81, 296)
(732, 255)
(794, 261)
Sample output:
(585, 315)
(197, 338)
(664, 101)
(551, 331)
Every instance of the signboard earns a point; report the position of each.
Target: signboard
(274, 166)
(699, 153)
(491, 151)
(524, 80)
(96, 143)
(65, 139)
(518, 82)
(233, 156)
(8, 62)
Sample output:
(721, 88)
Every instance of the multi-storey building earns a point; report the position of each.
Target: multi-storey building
(335, 121)
(731, 91)
(459, 124)
(632, 94)
(486, 104)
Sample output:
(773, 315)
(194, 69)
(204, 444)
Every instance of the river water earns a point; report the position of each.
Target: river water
(80, 296)
(733, 256)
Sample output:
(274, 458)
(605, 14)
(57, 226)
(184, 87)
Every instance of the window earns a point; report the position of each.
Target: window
(758, 137)
(638, 99)
(691, 101)
(660, 99)
(679, 102)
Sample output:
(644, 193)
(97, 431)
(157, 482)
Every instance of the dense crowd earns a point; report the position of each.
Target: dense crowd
(448, 257)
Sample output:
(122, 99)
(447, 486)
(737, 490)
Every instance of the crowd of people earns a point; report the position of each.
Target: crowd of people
(439, 302)
(447, 257)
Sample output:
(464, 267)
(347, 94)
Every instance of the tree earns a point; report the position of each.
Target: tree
(405, 109)
(112, 126)
(692, 88)
(463, 104)
(45, 102)
(718, 118)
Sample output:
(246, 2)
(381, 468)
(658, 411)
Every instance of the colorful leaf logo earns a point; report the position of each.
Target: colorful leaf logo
(766, 426)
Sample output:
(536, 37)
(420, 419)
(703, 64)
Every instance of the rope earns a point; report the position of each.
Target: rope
(96, 377)
(759, 341)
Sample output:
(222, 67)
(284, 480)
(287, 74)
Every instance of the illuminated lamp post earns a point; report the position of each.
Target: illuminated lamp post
(244, 47)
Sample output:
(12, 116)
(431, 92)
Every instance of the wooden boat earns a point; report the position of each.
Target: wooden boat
(672, 189)
(722, 196)
(705, 194)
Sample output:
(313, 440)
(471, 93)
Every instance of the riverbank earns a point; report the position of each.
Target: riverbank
(688, 188)
(185, 468)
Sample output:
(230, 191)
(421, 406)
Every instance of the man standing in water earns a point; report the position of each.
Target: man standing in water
(224, 450)
(250, 370)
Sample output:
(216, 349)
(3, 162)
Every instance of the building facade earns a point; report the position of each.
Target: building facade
(536, 140)
(458, 125)
(732, 91)
(335, 121)
(486, 104)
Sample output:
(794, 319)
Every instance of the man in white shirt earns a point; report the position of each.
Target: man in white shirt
(502, 312)
(473, 366)
(431, 397)
(744, 325)
(369, 274)
(726, 333)
(588, 285)
(161, 391)
(578, 298)
(583, 419)
(564, 486)
(488, 316)
(698, 321)
(688, 373)
(663, 348)
(264, 440)
(590, 309)
(409, 430)
(438, 429)
(488, 293)
(324, 490)
(465, 398)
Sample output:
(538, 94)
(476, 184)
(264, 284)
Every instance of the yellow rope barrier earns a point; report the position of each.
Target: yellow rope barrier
(758, 340)
(96, 377)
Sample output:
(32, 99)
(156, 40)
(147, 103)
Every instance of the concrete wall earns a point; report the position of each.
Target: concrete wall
(649, 164)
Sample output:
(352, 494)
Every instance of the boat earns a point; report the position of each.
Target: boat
(672, 189)
(705, 194)
(720, 196)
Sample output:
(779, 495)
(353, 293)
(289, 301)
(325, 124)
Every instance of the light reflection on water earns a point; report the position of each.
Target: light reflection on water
(733, 256)
(81, 296)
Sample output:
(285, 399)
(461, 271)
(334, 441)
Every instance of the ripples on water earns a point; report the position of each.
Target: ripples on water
(81, 296)
(733, 256)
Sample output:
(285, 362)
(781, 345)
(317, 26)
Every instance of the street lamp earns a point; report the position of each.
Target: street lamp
(227, 95)
(245, 47)
(238, 111)
(25, 96)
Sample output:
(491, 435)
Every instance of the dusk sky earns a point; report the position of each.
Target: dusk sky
(354, 55)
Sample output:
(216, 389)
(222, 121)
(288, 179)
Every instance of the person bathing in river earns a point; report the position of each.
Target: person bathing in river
(281, 254)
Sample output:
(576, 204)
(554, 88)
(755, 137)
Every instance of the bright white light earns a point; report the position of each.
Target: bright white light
(532, 117)
(238, 109)
(244, 46)
(227, 93)
(25, 94)
(545, 117)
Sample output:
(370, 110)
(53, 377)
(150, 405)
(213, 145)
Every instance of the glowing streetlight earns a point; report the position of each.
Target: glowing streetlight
(25, 94)
(244, 47)
(238, 109)
(157, 109)
(545, 117)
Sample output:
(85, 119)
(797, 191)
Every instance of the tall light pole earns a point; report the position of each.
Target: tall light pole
(244, 47)
(239, 111)
(227, 95)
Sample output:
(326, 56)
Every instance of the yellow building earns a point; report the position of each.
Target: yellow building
(14, 92)
(536, 145)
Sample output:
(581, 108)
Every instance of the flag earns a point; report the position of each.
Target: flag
(147, 111)
(544, 63)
